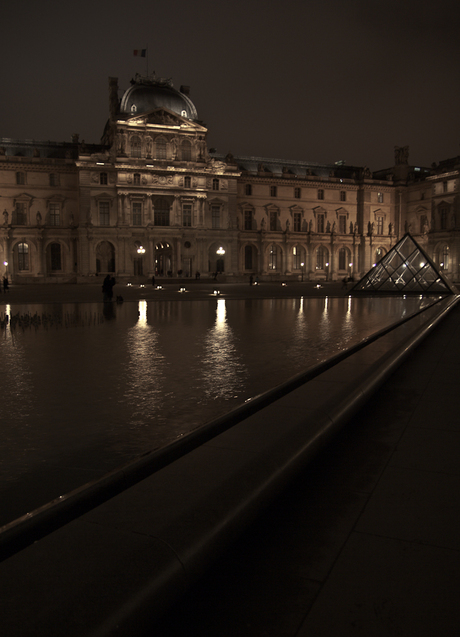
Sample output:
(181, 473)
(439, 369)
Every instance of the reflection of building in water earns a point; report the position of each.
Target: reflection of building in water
(74, 210)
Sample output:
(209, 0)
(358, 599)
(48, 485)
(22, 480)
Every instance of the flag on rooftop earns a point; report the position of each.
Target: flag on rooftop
(140, 52)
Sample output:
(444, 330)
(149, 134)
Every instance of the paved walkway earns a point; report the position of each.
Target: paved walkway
(367, 540)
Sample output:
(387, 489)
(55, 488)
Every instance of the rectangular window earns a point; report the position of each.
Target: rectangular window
(54, 179)
(248, 219)
(273, 191)
(20, 179)
(273, 220)
(187, 182)
(215, 184)
(379, 225)
(215, 216)
(343, 195)
(137, 213)
(342, 224)
(297, 221)
(137, 179)
(380, 197)
(248, 189)
(104, 213)
(20, 215)
(55, 256)
(320, 193)
(444, 186)
(297, 193)
(103, 179)
(23, 256)
(187, 215)
(54, 214)
(320, 222)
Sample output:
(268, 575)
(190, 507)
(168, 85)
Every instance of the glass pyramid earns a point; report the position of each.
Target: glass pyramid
(405, 269)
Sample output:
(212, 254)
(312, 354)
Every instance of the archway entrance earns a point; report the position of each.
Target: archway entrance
(163, 259)
(105, 257)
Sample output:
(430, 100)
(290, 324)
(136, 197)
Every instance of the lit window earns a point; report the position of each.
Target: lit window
(380, 197)
(23, 256)
(104, 213)
(137, 213)
(320, 194)
(215, 215)
(54, 214)
(272, 258)
(187, 214)
(297, 257)
(321, 256)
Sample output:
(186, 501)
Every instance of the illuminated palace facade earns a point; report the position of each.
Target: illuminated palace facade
(153, 199)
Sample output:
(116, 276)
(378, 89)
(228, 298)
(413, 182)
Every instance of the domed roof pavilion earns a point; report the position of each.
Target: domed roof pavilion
(149, 93)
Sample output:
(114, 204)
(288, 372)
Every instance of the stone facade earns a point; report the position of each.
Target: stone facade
(152, 199)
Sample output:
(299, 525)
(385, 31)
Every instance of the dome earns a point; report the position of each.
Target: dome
(146, 94)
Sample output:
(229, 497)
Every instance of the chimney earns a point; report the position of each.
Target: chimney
(113, 98)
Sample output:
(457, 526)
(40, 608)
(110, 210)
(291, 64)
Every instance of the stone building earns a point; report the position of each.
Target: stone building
(153, 199)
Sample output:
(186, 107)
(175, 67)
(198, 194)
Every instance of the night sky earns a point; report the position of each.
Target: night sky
(315, 80)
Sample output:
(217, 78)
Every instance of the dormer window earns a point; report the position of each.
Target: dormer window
(184, 113)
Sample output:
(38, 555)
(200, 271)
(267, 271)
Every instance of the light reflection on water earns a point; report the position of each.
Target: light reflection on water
(82, 395)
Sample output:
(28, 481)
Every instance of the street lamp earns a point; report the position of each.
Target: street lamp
(140, 250)
(221, 253)
(302, 265)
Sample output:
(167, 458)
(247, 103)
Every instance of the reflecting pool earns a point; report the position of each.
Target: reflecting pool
(86, 388)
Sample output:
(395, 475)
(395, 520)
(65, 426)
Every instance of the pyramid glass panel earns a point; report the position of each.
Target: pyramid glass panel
(405, 269)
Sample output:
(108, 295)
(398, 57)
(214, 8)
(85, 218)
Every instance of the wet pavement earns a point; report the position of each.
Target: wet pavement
(365, 542)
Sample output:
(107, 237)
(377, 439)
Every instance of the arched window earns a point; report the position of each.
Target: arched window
(298, 257)
(272, 258)
(23, 256)
(55, 256)
(444, 258)
(248, 261)
(321, 258)
(186, 150)
(135, 146)
(161, 214)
